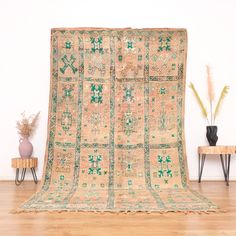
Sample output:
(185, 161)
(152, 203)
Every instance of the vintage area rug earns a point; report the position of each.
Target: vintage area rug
(115, 129)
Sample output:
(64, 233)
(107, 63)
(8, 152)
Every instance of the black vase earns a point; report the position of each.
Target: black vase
(211, 135)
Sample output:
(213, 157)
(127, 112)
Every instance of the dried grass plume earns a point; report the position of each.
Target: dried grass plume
(211, 93)
(199, 100)
(27, 125)
(224, 92)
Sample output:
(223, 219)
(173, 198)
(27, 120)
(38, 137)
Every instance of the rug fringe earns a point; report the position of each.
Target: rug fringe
(126, 212)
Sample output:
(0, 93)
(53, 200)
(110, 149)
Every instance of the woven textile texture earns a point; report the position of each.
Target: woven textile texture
(115, 128)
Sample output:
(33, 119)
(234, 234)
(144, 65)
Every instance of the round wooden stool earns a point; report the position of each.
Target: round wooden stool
(224, 152)
(24, 163)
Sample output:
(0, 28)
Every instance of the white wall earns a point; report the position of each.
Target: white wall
(25, 66)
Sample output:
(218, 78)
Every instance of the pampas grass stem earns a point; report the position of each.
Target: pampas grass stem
(224, 92)
(211, 94)
(199, 100)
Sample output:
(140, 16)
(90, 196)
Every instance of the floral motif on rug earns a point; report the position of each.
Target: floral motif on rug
(115, 132)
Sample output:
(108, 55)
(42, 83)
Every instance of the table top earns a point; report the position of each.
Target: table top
(24, 158)
(19, 162)
(217, 149)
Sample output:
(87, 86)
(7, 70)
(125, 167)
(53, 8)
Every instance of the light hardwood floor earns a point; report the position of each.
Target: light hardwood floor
(79, 224)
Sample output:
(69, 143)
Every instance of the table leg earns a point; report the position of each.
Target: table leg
(201, 165)
(34, 175)
(228, 168)
(17, 180)
(223, 167)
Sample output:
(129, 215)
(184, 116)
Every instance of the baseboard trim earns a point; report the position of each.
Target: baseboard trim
(212, 178)
(10, 178)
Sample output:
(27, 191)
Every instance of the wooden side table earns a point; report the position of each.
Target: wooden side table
(24, 163)
(224, 152)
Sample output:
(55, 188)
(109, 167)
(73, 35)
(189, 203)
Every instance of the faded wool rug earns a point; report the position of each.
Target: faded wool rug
(116, 123)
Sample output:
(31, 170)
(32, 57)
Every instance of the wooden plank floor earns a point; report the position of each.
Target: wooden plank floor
(79, 224)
